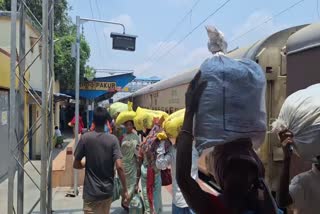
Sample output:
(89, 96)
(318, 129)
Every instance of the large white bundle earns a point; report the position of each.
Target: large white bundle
(233, 104)
(300, 114)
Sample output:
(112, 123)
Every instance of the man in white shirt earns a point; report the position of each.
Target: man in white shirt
(165, 159)
(58, 137)
(303, 193)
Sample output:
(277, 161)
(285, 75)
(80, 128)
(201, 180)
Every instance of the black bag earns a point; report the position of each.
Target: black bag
(166, 178)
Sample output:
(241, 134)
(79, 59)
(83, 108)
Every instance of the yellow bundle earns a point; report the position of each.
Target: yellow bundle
(145, 118)
(116, 108)
(173, 124)
(130, 106)
(143, 121)
(125, 116)
(154, 113)
(162, 136)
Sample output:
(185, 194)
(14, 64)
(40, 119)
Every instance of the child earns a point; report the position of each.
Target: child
(58, 136)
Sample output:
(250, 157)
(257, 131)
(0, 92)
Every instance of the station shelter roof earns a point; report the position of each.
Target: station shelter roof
(101, 86)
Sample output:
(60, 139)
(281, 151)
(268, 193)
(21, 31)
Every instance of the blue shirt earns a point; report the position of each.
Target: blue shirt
(106, 129)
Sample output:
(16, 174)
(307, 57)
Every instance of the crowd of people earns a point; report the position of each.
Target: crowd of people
(142, 164)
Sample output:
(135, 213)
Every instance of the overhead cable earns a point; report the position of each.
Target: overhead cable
(194, 29)
(267, 20)
(173, 31)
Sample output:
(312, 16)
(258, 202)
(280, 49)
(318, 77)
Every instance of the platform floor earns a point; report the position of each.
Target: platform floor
(61, 203)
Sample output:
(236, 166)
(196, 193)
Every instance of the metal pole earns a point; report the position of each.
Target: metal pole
(88, 112)
(51, 75)
(77, 74)
(106, 22)
(43, 187)
(20, 110)
(12, 137)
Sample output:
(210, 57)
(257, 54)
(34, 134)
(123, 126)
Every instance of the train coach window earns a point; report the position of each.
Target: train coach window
(268, 70)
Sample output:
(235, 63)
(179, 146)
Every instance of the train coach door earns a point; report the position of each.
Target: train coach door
(271, 154)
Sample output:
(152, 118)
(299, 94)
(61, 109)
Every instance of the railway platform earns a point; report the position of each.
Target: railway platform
(61, 202)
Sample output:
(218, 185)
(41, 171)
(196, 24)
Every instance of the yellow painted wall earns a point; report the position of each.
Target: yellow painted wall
(5, 83)
(31, 35)
(34, 75)
(5, 69)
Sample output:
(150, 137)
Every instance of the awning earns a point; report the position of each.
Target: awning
(101, 88)
(60, 97)
(57, 97)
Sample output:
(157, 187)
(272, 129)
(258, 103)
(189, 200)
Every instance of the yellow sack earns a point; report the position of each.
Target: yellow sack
(173, 124)
(155, 113)
(143, 121)
(130, 106)
(125, 116)
(145, 118)
(162, 136)
(116, 108)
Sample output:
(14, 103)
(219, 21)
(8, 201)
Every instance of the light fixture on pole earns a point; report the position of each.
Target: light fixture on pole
(124, 42)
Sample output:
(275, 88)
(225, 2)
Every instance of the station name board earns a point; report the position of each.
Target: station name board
(98, 86)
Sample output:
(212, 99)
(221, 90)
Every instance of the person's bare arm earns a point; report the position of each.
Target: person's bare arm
(199, 200)
(79, 154)
(139, 164)
(121, 174)
(78, 164)
(285, 199)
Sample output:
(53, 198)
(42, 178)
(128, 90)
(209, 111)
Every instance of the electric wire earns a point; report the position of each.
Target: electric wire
(193, 30)
(173, 31)
(95, 28)
(267, 20)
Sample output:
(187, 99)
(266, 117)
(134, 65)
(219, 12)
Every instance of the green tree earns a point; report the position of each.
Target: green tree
(2, 5)
(61, 17)
(65, 33)
(64, 64)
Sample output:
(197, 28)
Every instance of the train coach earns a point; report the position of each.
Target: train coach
(291, 61)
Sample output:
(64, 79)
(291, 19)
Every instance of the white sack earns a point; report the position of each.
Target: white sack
(233, 104)
(300, 114)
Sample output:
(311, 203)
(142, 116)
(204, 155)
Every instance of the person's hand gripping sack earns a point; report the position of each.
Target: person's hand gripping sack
(286, 139)
(193, 94)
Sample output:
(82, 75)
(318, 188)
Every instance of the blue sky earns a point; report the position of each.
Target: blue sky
(153, 20)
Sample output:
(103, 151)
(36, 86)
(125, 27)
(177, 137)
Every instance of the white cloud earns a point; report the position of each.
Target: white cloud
(142, 68)
(196, 56)
(163, 50)
(179, 60)
(254, 20)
